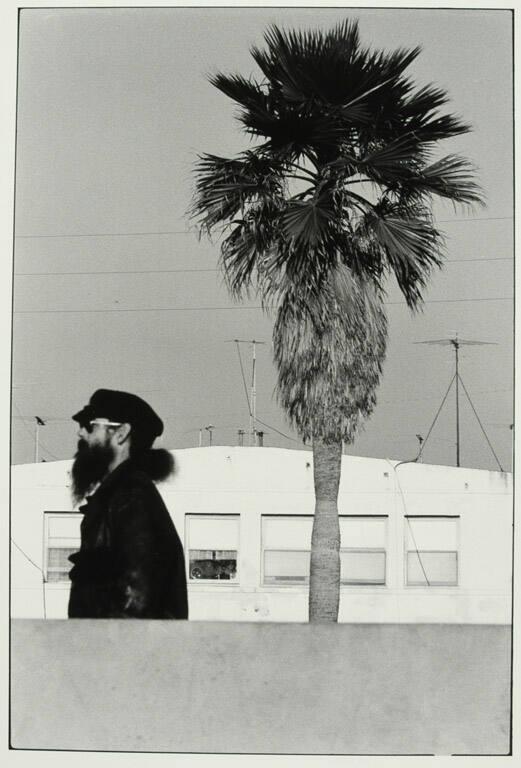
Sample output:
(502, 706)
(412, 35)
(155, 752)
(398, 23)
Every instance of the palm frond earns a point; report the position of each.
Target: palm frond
(224, 186)
(451, 177)
(424, 102)
(329, 67)
(246, 92)
(305, 221)
(250, 246)
(413, 248)
(392, 161)
(329, 357)
(433, 129)
(239, 256)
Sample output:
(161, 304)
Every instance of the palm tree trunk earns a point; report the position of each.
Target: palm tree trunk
(324, 577)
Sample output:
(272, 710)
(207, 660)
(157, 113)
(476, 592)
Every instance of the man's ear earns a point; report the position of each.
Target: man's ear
(122, 433)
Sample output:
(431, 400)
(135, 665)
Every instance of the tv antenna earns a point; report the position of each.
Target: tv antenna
(39, 423)
(456, 343)
(252, 398)
(210, 428)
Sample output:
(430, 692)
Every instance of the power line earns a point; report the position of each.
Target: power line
(52, 455)
(243, 378)
(25, 555)
(455, 301)
(204, 270)
(487, 258)
(191, 232)
(397, 479)
(120, 272)
(38, 568)
(24, 421)
(229, 309)
(146, 309)
(110, 234)
(476, 218)
(32, 435)
(417, 551)
(277, 430)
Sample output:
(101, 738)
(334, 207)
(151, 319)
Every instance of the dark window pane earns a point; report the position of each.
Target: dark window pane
(214, 564)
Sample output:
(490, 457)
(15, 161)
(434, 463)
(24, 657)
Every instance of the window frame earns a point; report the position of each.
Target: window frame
(406, 551)
(219, 583)
(284, 582)
(305, 585)
(48, 516)
(378, 550)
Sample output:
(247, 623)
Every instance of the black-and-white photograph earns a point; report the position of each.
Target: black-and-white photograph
(262, 422)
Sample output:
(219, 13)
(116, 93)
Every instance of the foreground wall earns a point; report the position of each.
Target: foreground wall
(260, 688)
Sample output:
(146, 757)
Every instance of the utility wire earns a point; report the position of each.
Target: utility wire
(402, 495)
(110, 234)
(38, 568)
(132, 309)
(244, 379)
(435, 419)
(212, 269)
(385, 401)
(486, 258)
(24, 421)
(228, 309)
(455, 301)
(25, 555)
(417, 551)
(124, 272)
(191, 232)
(33, 438)
(277, 430)
(264, 424)
(476, 218)
(479, 422)
(51, 454)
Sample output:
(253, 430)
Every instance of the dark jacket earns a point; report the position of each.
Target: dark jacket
(131, 562)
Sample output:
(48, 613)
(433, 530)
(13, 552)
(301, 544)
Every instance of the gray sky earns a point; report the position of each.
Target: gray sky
(112, 290)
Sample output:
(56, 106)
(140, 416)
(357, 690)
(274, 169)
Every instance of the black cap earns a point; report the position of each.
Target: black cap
(125, 408)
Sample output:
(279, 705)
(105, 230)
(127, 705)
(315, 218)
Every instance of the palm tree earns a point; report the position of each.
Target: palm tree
(329, 358)
(334, 196)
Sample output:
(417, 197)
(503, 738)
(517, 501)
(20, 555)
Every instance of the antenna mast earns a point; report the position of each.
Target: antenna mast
(456, 343)
(39, 423)
(252, 401)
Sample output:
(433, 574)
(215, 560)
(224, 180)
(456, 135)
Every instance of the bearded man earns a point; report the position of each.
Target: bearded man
(131, 562)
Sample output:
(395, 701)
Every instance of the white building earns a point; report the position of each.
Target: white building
(419, 543)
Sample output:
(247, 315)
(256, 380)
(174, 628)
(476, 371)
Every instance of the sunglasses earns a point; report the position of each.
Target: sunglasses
(88, 426)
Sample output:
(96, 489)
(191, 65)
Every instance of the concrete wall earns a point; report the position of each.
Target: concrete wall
(251, 482)
(260, 688)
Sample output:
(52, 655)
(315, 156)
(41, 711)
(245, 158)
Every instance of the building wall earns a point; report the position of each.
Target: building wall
(252, 482)
(260, 688)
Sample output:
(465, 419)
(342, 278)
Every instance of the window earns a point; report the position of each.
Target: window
(431, 551)
(286, 567)
(363, 550)
(61, 539)
(212, 546)
(286, 545)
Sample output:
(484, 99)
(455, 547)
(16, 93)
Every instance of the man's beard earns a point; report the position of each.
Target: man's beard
(91, 464)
